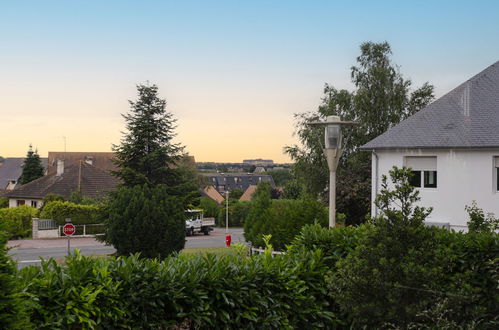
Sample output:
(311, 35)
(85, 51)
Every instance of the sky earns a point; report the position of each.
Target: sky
(233, 72)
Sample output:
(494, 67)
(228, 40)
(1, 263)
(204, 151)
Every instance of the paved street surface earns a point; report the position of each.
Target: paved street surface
(28, 252)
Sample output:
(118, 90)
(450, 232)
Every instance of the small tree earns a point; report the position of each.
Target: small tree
(147, 220)
(478, 221)
(32, 167)
(392, 275)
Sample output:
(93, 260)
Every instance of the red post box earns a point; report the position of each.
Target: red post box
(227, 240)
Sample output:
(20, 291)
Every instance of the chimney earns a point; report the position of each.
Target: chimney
(60, 167)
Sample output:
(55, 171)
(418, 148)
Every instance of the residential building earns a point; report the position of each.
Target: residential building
(100, 160)
(258, 162)
(231, 181)
(452, 146)
(87, 179)
(10, 171)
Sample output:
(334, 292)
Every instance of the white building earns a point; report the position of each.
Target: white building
(452, 146)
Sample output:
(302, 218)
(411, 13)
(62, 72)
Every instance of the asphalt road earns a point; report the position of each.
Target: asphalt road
(29, 252)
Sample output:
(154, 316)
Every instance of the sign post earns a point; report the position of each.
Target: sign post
(69, 229)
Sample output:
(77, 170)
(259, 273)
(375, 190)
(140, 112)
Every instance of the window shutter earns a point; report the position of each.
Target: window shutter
(421, 163)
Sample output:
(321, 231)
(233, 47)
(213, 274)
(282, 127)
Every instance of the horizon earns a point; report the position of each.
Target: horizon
(233, 74)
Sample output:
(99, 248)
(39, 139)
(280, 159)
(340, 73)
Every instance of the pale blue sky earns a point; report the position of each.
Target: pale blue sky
(233, 72)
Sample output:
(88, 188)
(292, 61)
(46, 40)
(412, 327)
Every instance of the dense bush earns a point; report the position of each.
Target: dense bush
(201, 291)
(16, 221)
(145, 220)
(4, 202)
(238, 212)
(283, 219)
(335, 243)
(209, 206)
(12, 306)
(403, 274)
(470, 268)
(79, 214)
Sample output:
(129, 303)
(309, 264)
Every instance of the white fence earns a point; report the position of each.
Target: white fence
(260, 251)
(48, 228)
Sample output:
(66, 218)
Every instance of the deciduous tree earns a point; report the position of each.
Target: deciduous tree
(382, 98)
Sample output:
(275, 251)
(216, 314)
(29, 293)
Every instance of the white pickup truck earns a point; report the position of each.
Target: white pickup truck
(196, 223)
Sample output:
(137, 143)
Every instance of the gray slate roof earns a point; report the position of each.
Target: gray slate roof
(240, 181)
(12, 168)
(466, 117)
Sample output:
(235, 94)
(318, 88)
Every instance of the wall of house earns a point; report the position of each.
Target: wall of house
(462, 176)
(13, 202)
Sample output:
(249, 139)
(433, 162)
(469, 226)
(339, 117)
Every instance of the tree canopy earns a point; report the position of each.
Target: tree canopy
(32, 167)
(382, 98)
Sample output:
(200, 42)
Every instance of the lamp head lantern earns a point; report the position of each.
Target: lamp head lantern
(332, 133)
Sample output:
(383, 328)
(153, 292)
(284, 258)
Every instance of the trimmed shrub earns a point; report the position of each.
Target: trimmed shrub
(283, 219)
(17, 221)
(470, 265)
(79, 214)
(335, 243)
(188, 292)
(12, 308)
(145, 220)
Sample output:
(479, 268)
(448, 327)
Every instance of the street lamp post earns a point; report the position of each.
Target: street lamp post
(228, 238)
(227, 212)
(333, 149)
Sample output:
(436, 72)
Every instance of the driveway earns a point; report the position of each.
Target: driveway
(28, 252)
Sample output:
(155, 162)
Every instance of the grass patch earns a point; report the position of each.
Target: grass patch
(214, 250)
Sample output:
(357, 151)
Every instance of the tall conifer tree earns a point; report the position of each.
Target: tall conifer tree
(147, 154)
(146, 214)
(32, 167)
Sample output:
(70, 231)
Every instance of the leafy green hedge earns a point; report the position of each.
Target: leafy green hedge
(12, 307)
(80, 214)
(335, 243)
(283, 219)
(200, 291)
(16, 221)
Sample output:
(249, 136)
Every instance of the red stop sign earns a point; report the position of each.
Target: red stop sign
(69, 229)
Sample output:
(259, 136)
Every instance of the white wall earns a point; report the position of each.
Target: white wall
(13, 202)
(462, 176)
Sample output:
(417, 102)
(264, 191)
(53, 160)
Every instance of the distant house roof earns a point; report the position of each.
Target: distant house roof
(91, 181)
(466, 117)
(212, 193)
(12, 168)
(240, 181)
(259, 169)
(101, 160)
(248, 194)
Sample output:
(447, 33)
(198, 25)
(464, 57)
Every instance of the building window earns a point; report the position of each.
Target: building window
(415, 180)
(424, 170)
(430, 179)
(20, 202)
(34, 203)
